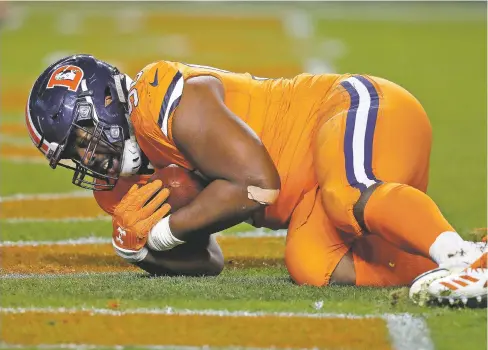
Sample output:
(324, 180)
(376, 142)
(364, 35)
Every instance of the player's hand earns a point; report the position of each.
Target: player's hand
(133, 218)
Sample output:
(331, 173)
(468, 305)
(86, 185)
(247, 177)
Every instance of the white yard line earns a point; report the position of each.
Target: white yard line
(45, 196)
(300, 25)
(145, 347)
(76, 241)
(409, 332)
(70, 22)
(169, 310)
(406, 330)
(22, 276)
(362, 10)
(101, 240)
(22, 220)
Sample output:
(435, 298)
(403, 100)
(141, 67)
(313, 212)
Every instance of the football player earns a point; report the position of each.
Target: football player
(341, 161)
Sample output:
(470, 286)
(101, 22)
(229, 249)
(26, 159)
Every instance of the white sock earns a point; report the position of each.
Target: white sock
(446, 244)
(161, 238)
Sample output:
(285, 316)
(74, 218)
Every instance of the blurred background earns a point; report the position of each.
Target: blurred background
(437, 50)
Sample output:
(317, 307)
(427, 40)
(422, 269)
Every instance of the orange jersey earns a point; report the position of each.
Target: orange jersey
(282, 112)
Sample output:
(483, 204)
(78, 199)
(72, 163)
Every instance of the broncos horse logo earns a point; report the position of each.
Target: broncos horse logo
(67, 76)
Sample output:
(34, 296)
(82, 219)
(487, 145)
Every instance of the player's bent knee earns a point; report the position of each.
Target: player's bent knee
(304, 271)
(305, 277)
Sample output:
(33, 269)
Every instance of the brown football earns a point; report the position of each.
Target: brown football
(183, 184)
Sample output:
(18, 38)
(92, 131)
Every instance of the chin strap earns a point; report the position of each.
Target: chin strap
(131, 159)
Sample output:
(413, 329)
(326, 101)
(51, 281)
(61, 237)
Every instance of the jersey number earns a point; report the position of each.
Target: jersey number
(133, 96)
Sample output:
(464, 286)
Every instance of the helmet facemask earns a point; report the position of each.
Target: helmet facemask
(79, 120)
(99, 167)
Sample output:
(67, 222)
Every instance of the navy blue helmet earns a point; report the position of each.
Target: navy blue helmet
(81, 96)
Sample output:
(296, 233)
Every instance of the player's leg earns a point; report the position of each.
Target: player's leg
(372, 163)
(379, 263)
(314, 247)
(318, 254)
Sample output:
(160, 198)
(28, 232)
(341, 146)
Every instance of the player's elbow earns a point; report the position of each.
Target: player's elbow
(265, 188)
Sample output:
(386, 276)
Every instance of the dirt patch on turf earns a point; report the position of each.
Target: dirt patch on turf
(48, 259)
(32, 328)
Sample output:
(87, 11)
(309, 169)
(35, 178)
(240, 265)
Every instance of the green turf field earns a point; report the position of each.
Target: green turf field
(435, 50)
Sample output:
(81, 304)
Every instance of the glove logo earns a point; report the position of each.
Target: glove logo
(122, 234)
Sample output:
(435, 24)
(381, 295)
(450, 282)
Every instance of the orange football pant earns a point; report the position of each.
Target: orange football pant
(371, 155)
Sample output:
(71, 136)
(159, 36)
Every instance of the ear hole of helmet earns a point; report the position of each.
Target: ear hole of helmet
(108, 96)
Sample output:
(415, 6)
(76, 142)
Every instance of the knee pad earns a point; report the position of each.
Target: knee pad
(358, 209)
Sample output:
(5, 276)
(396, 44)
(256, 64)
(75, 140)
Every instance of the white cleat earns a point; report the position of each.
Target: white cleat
(468, 286)
(419, 289)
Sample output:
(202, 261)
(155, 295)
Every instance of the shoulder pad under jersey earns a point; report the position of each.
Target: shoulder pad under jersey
(156, 92)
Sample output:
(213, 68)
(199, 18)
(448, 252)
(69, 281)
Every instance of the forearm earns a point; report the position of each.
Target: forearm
(220, 205)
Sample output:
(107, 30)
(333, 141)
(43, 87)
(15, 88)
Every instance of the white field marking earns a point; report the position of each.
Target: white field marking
(54, 56)
(396, 12)
(175, 44)
(258, 232)
(169, 310)
(145, 347)
(415, 336)
(77, 241)
(129, 20)
(15, 17)
(316, 65)
(333, 48)
(406, 331)
(102, 240)
(45, 196)
(362, 10)
(21, 276)
(22, 220)
(298, 24)
(69, 23)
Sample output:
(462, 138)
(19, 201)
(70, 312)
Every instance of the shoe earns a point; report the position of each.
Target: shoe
(443, 286)
(418, 292)
(469, 287)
